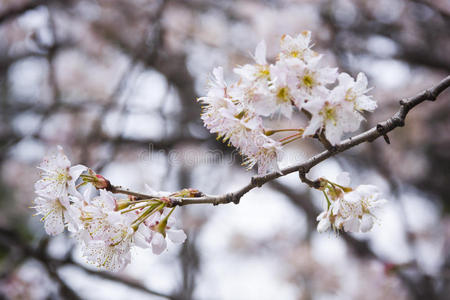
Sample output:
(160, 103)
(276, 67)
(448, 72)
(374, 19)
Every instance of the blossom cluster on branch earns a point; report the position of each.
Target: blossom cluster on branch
(297, 81)
(105, 226)
(348, 209)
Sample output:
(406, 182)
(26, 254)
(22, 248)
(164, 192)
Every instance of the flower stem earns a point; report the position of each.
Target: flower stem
(273, 131)
(334, 185)
(139, 196)
(150, 202)
(328, 200)
(147, 213)
(294, 137)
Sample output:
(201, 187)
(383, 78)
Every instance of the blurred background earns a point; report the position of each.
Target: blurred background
(115, 82)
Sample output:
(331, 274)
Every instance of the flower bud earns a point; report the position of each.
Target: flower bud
(97, 180)
(188, 193)
(161, 227)
(323, 183)
(122, 203)
(347, 189)
(101, 182)
(390, 268)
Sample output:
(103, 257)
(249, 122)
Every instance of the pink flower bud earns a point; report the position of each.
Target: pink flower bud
(101, 182)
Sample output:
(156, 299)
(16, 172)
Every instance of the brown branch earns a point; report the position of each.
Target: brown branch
(302, 175)
(138, 196)
(12, 240)
(381, 129)
(122, 280)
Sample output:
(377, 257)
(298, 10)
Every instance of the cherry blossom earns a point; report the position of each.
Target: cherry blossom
(257, 72)
(357, 209)
(331, 115)
(108, 226)
(355, 92)
(348, 209)
(57, 175)
(154, 231)
(297, 81)
(113, 257)
(266, 156)
(298, 47)
(57, 212)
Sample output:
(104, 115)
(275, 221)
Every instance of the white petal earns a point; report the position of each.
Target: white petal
(321, 216)
(176, 236)
(346, 80)
(76, 171)
(64, 200)
(89, 193)
(328, 75)
(335, 206)
(349, 120)
(366, 223)
(286, 110)
(159, 243)
(352, 197)
(338, 221)
(72, 219)
(379, 203)
(141, 238)
(218, 75)
(314, 124)
(364, 102)
(260, 53)
(361, 83)
(333, 133)
(368, 190)
(61, 159)
(323, 225)
(54, 223)
(264, 105)
(351, 225)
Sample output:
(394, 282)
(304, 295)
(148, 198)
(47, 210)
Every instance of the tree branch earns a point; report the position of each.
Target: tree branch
(121, 280)
(381, 129)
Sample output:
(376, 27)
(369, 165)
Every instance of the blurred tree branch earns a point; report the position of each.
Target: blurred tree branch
(11, 240)
(419, 286)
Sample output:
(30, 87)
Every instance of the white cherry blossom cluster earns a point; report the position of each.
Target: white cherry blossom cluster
(296, 82)
(352, 210)
(106, 227)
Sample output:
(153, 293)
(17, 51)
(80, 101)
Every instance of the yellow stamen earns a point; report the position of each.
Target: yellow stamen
(283, 95)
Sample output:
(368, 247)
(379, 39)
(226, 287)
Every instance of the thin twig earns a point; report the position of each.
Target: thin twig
(138, 196)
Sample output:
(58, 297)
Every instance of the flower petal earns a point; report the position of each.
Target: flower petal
(176, 236)
(159, 243)
(366, 223)
(260, 53)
